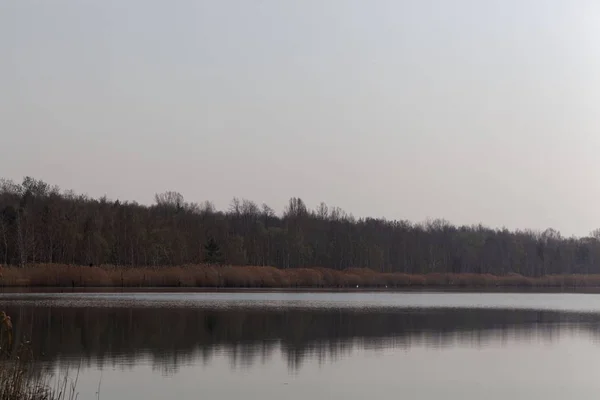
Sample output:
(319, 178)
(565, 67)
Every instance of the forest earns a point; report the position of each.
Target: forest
(42, 224)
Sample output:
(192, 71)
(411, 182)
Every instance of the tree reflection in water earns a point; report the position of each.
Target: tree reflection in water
(169, 338)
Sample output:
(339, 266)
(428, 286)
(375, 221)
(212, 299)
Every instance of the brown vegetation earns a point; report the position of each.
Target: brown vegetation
(18, 381)
(40, 223)
(209, 276)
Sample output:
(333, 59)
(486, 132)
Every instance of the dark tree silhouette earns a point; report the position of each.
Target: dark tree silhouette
(212, 252)
(41, 224)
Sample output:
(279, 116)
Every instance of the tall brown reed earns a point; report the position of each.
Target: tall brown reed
(18, 380)
(210, 276)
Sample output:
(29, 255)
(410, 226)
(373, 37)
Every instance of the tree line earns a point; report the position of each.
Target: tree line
(40, 223)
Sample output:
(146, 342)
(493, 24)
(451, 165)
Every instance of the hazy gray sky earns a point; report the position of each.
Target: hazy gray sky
(470, 110)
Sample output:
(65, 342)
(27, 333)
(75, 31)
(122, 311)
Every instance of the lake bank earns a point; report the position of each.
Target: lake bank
(219, 277)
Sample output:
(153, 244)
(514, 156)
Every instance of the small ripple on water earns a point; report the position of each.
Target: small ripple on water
(540, 301)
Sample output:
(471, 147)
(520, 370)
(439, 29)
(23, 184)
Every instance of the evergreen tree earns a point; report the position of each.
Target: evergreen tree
(212, 252)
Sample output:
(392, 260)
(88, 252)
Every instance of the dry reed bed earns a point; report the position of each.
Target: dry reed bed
(265, 277)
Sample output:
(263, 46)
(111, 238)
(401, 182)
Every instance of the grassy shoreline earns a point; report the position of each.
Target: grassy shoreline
(205, 276)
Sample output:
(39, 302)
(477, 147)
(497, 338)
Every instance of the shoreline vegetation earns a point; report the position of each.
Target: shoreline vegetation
(216, 276)
(43, 224)
(19, 379)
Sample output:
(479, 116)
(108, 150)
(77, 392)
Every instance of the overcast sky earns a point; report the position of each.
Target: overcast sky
(468, 110)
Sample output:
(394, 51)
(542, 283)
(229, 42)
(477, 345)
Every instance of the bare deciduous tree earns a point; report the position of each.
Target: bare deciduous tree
(39, 223)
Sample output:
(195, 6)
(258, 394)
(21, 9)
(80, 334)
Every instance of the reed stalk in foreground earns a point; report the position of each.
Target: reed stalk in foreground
(18, 380)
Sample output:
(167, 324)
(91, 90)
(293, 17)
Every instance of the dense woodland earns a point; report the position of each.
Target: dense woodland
(39, 223)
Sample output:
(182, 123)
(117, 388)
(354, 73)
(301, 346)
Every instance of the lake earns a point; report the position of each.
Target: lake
(320, 345)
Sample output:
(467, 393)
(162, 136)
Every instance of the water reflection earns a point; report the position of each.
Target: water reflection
(170, 338)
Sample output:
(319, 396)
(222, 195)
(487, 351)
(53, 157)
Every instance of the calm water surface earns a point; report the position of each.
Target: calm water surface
(278, 345)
